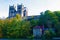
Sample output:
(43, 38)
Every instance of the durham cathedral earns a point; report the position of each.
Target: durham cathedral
(20, 9)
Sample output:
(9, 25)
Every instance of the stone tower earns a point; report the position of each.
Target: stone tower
(12, 11)
(25, 12)
(20, 10)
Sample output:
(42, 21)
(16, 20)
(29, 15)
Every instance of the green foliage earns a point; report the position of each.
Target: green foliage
(50, 20)
(18, 28)
(34, 22)
(57, 13)
(15, 28)
(41, 19)
(18, 17)
(49, 34)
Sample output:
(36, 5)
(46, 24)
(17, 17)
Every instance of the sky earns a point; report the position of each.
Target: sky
(34, 6)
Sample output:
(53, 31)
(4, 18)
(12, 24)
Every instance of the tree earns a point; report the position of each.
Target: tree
(57, 13)
(16, 29)
(41, 19)
(48, 18)
(34, 23)
(18, 17)
(49, 34)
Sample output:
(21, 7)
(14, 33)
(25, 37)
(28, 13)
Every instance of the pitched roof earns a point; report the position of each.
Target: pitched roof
(38, 27)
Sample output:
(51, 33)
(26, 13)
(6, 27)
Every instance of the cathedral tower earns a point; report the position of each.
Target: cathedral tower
(12, 11)
(20, 10)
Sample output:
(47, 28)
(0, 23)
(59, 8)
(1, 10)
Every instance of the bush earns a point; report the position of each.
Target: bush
(49, 34)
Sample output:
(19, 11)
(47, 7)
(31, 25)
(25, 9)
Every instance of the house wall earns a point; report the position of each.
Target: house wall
(37, 32)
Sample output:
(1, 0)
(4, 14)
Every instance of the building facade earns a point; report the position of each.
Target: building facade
(20, 10)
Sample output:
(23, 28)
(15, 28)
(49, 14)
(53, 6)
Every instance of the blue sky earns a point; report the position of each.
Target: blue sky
(34, 6)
